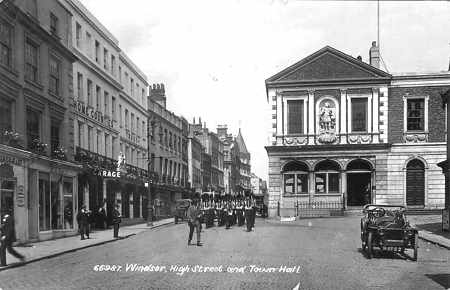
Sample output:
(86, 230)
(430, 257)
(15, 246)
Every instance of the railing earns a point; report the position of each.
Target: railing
(319, 208)
(92, 158)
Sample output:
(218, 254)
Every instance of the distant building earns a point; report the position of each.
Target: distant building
(345, 131)
(168, 148)
(195, 152)
(109, 118)
(259, 188)
(232, 161)
(245, 165)
(213, 159)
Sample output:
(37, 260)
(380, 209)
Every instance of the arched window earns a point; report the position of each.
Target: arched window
(415, 183)
(359, 165)
(327, 177)
(295, 175)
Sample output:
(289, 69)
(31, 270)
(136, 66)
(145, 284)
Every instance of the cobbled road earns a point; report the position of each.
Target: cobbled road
(319, 253)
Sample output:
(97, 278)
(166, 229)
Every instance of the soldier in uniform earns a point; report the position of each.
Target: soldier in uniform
(240, 213)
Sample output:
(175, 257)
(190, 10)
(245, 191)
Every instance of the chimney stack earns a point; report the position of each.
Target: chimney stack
(158, 94)
(222, 130)
(374, 55)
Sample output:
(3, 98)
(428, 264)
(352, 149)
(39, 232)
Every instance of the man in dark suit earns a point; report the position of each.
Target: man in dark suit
(83, 222)
(7, 237)
(194, 215)
(117, 219)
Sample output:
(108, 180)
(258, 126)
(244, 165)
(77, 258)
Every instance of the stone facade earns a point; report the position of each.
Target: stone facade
(38, 175)
(345, 133)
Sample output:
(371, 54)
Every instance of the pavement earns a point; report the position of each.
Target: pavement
(48, 249)
(430, 229)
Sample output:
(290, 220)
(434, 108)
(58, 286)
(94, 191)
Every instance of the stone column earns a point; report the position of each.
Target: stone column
(344, 188)
(130, 203)
(343, 126)
(311, 117)
(104, 189)
(311, 185)
(86, 196)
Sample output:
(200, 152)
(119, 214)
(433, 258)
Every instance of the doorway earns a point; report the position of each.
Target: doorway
(359, 191)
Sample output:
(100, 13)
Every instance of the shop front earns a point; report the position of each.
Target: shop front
(41, 194)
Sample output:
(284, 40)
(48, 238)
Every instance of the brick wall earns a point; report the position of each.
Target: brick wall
(436, 114)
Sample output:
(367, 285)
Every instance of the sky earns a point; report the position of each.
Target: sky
(213, 56)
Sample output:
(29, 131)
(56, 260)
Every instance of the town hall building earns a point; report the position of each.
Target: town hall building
(345, 132)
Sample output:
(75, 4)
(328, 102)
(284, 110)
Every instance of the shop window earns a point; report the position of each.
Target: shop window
(44, 202)
(359, 114)
(415, 114)
(68, 203)
(56, 217)
(6, 196)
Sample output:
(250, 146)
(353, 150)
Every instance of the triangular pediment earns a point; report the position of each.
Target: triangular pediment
(328, 64)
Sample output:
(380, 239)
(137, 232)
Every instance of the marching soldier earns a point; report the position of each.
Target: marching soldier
(248, 215)
(254, 212)
(240, 213)
(229, 215)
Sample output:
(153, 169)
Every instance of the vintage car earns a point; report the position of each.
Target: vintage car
(181, 207)
(386, 227)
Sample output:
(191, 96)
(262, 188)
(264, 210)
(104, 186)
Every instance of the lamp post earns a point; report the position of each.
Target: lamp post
(149, 202)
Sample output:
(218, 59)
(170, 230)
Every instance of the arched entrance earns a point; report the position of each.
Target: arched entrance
(415, 183)
(359, 184)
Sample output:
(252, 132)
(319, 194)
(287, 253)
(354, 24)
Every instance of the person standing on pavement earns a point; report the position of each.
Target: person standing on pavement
(83, 222)
(7, 237)
(117, 219)
(194, 215)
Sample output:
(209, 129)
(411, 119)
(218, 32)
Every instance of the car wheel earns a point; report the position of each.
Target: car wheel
(416, 246)
(370, 245)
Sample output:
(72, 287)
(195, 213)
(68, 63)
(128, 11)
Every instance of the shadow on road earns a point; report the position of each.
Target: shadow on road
(441, 279)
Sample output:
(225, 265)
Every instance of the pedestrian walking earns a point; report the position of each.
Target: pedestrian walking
(7, 237)
(117, 219)
(194, 216)
(83, 222)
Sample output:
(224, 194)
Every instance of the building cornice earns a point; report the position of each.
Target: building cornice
(76, 5)
(323, 148)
